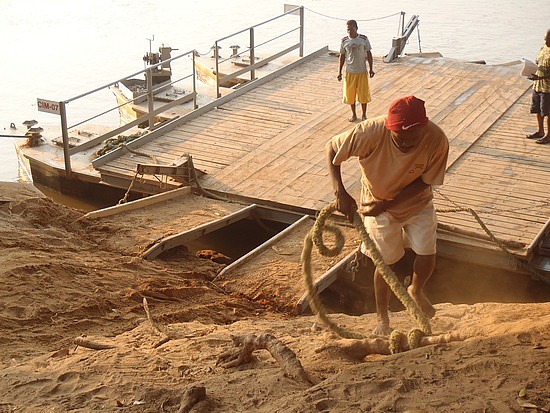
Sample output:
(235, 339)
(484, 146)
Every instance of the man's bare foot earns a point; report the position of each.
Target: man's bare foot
(364, 117)
(535, 135)
(352, 118)
(382, 329)
(422, 301)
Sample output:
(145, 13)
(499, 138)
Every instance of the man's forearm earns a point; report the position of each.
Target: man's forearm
(333, 170)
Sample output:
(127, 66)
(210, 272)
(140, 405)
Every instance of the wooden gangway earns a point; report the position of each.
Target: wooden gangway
(267, 144)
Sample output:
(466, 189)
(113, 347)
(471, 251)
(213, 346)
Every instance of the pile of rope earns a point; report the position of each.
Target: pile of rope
(116, 142)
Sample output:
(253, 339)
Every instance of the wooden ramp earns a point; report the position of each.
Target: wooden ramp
(267, 145)
(275, 276)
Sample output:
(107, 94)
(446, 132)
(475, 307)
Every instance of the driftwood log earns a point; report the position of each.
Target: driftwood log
(94, 345)
(359, 349)
(281, 353)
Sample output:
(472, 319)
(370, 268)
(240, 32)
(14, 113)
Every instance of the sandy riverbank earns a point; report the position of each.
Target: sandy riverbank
(63, 277)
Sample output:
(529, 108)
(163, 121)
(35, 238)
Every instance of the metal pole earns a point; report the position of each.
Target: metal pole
(252, 54)
(216, 57)
(195, 106)
(150, 103)
(302, 31)
(65, 135)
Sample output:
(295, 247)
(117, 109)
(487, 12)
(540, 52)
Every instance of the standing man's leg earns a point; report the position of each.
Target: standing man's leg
(363, 93)
(537, 109)
(364, 108)
(350, 93)
(424, 266)
(382, 295)
(540, 131)
(353, 117)
(544, 112)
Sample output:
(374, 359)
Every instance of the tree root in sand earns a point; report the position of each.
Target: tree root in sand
(94, 345)
(192, 396)
(164, 338)
(359, 349)
(248, 343)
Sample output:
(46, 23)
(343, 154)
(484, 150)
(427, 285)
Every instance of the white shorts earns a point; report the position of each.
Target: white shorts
(392, 237)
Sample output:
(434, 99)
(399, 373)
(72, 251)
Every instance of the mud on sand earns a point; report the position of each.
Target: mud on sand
(63, 277)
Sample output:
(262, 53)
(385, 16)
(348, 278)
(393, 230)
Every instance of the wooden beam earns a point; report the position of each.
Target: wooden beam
(139, 203)
(192, 234)
(325, 280)
(261, 248)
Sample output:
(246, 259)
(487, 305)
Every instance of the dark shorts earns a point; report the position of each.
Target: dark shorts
(540, 103)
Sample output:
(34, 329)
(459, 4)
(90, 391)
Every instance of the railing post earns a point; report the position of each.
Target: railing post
(216, 57)
(150, 101)
(65, 135)
(302, 31)
(195, 106)
(252, 54)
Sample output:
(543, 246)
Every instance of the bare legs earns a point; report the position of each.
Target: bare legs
(353, 117)
(539, 134)
(364, 109)
(544, 138)
(540, 131)
(423, 268)
(382, 295)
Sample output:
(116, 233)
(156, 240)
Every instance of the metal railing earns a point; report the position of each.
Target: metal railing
(151, 112)
(251, 50)
(149, 117)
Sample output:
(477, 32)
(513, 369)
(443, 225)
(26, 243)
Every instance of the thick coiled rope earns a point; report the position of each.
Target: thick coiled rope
(315, 236)
(399, 341)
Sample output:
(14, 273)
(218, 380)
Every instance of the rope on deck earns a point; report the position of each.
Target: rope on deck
(517, 262)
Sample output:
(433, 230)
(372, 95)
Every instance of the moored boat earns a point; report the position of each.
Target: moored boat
(263, 143)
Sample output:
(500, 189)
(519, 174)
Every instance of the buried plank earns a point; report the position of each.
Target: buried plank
(274, 276)
(192, 234)
(139, 203)
(258, 250)
(325, 280)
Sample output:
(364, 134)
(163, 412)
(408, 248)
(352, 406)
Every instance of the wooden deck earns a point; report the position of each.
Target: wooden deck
(268, 143)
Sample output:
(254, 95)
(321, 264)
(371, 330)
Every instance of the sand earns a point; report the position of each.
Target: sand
(65, 277)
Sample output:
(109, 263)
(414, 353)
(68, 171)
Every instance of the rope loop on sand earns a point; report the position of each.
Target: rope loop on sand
(315, 237)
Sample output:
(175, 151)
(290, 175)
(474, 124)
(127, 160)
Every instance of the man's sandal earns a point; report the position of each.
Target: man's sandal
(544, 140)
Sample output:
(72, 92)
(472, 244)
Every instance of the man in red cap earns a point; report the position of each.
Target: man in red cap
(401, 155)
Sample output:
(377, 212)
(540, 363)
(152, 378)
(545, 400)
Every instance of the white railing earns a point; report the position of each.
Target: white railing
(251, 50)
(191, 74)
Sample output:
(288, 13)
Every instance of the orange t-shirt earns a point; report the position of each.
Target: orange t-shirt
(386, 170)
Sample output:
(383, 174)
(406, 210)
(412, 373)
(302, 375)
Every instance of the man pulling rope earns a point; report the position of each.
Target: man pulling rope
(401, 155)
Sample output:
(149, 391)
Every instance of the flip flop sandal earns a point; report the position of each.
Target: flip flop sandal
(543, 140)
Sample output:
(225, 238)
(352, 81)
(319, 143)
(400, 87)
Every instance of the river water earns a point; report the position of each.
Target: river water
(58, 49)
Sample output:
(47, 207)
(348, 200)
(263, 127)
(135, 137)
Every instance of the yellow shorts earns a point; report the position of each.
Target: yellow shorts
(391, 236)
(356, 85)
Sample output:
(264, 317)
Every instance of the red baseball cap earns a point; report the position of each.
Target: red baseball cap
(406, 113)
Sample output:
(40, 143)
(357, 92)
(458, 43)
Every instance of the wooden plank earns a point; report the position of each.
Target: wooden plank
(192, 234)
(323, 282)
(138, 203)
(262, 247)
(269, 142)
